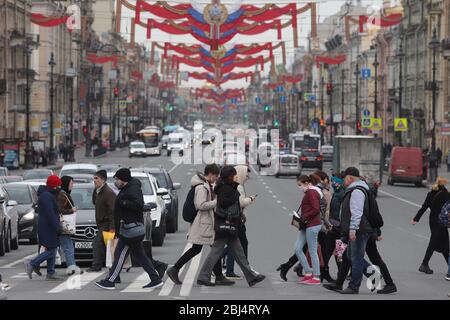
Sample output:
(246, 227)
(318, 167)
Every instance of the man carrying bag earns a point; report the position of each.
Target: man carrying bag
(130, 229)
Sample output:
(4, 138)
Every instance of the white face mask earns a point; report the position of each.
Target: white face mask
(119, 184)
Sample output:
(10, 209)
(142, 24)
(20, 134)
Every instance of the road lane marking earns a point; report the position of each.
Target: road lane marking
(278, 201)
(274, 196)
(284, 208)
(174, 167)
(412, 233)
(138, 283)
(21, 275)
(270, 191)
(12, 264)
(168, 285)
(188, 281)
(401, 199)
(267, 187)
(76, 282)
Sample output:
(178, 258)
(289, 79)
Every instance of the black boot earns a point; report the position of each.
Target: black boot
(325, 275)
(284, 268)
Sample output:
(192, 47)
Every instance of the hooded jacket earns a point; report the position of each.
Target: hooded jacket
(49, 225)
(354, 211)
(129, 205)
(201, 231)
(64, 200)
(104, 201)
(244, 201)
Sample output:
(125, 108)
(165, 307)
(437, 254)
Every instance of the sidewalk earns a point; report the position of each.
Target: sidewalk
(79, 158)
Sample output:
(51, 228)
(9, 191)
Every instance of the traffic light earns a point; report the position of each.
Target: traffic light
(266, 108)
(329, 88)
(116, 92)
(276, 123)
(358, 127)
(170, 108)
(85, 131)
(322, 123)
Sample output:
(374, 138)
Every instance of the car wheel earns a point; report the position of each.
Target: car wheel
(418, 184)
(169, 153)
(15, 242)
(171, 226)
(390, 182)
(8, 240)
(33, 241)
(277, 176)
(2, 243)
(158, 236)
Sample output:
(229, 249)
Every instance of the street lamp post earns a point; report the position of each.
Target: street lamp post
(433, 45)
(71, 146)
(375, 65)
(358, 132)
(342, 101)
(400, 55)
(28, 153)
(52, 153)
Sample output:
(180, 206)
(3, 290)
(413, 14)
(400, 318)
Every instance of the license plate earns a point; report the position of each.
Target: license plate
(83, 245)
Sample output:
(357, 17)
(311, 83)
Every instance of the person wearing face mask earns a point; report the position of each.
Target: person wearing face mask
(128, 209)
(49, 229)
(67, 207)
(201, 231)
(241, 178)
(310, 213)
(228, 199)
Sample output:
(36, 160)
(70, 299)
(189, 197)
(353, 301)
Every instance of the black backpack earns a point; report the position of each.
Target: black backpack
(189, 209)
(373, 211)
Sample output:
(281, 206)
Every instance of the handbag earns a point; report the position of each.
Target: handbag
(68, 221)
(132, 230)
(225, 228)
(297, 221)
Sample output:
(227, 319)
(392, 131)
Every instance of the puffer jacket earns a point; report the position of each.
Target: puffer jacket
(129, 205)
(244, 201)
(49, 225)
(201, 231)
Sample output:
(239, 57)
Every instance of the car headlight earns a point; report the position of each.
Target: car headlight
(28, 216)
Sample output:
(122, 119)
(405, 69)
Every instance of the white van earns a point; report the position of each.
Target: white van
(178, 142)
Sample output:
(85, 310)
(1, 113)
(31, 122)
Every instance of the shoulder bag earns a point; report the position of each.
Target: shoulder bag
(68, 221)
(297, 221)
(131, 231)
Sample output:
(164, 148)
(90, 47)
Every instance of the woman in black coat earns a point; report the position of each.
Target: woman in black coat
(439, 240)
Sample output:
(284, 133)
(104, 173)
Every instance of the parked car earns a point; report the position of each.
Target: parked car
(327, 152)
(11, 160)
(109, 167)
(9, 233)
(26, 197)
(288, 165)
(406, 165)
(165, 181)
(9, 179)
(4, 171)
(311, 158)
(34, 184)
(81, 168)
(137, 149)
(37, 174)
(152, 194)
(265, 150)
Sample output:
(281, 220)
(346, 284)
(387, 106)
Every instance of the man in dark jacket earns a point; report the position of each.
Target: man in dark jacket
(128, 209)
(103, 198)
(49, 229)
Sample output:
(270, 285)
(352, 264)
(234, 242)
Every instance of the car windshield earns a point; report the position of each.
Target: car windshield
(289, 160)
(137, 145)
(19, 194)
(69, 172)
(161, 178)
(82, 197)
(175, 140)
(145, 185)
(36, 174)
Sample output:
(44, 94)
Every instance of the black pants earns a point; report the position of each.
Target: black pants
(192, 252)
(374, 257)
(439, 241)
(122, 251)
(327, 243)
(98, 251)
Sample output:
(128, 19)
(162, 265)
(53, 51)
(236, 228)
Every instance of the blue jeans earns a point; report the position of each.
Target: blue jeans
(49, 255)
(309, 236)
(355, 252)
(448, 272)
(68, 248)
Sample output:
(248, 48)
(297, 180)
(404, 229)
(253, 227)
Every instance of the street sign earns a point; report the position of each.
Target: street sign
(310, 97)
(44, 126)
(377, 124)
(366, 122)
(400, 124)
(280, 89)
(365, 73)
(112, 74)
(366, 113)
(258, 100)
(445, 129)
(283, 99)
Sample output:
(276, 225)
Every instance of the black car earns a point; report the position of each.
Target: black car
(26, 197)
(311, 159)
(165, 181)
(86, 228)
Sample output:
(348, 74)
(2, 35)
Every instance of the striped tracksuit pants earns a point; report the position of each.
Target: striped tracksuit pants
(120, 255)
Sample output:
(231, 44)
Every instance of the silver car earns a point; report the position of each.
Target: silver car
(9, 224)
(288, 165)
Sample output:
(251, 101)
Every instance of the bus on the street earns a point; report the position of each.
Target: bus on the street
(151, 136)
(302, 140)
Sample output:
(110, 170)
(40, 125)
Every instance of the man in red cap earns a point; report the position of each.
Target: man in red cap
(49, 229)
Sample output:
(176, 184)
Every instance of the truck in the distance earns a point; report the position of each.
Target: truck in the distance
(362, 152)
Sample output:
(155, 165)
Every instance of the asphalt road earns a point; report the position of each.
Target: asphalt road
(271, 242)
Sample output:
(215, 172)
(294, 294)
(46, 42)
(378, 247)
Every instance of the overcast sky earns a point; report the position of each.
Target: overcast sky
(325, 9)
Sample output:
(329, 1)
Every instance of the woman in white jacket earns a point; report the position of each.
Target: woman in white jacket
(245, 201)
